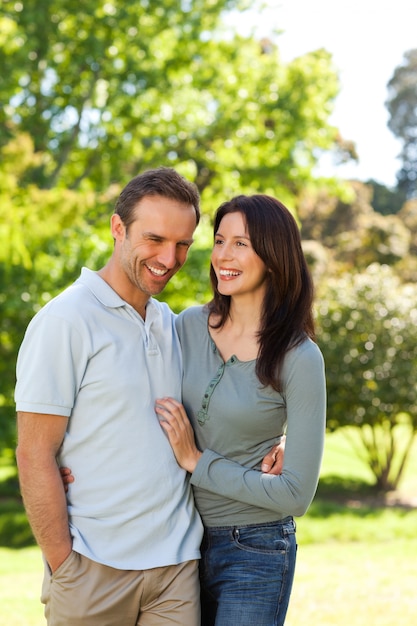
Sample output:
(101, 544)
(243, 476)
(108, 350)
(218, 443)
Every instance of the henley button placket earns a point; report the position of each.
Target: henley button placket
(202, 415)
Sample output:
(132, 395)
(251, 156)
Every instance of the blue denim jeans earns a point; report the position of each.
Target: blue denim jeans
(246, 574)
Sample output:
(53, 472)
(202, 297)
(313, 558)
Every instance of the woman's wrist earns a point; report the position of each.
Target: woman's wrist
(193, 463)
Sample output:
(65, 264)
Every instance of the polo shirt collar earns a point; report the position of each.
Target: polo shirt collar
(104, 293)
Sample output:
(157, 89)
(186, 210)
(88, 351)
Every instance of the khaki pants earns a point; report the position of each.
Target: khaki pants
(84, 593)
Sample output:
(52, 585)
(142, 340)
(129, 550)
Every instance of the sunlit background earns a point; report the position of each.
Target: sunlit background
(92, 92)
(367, 39)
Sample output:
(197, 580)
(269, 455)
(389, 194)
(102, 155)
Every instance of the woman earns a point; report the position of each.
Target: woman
(251, 372)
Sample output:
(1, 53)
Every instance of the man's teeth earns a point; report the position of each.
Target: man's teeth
(228, 273)
(156, 271)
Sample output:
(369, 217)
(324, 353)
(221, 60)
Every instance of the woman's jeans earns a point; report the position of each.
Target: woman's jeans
(246, 574)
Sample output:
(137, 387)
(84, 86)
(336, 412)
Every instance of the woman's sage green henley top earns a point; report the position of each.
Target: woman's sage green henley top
(237, 421)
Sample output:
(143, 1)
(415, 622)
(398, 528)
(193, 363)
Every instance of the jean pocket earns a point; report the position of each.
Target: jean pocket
(263, 540)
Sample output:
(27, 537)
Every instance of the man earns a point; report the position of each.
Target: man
(122, 548)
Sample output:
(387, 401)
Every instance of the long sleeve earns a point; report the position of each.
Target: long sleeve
(292, 492)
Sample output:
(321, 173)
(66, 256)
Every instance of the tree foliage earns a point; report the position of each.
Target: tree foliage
(45, 236)
(365, 270)
(94, 93)
(353, 233)
(368, 334)
(110, 88)
(385, 200)
(402, 107)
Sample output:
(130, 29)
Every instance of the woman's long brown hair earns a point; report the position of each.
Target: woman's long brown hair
(287, 315)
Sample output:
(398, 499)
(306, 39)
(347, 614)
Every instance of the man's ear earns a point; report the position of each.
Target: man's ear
(118, 229)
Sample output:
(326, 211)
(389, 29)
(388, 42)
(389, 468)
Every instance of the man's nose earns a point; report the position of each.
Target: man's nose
(168, 255)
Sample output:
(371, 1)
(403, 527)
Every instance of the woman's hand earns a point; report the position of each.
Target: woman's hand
(174, 421)
(66, 477)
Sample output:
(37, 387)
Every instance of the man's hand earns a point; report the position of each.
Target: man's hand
(273, 462)
(66, 476)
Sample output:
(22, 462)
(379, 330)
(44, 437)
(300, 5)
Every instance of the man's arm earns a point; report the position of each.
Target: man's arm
(39, 439)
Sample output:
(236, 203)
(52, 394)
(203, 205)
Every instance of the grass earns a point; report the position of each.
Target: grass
(348, 584)
(14, 528)
(357, 560)
(355, 584)
(20, 586)
(356, 564)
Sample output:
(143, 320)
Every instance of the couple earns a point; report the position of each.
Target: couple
(101, 361)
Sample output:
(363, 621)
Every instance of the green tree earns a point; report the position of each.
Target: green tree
(402, 107)
(45, 238)
(368, 333)
(354, 234)
(385, 200)
(93, 94)
(110, 88)
(407, 267)
(408, 215)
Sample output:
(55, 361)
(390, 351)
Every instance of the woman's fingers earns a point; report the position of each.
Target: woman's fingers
(175, 423)
(172, 411)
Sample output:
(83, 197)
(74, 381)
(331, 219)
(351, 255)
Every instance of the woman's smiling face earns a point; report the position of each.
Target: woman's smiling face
(239, 270)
